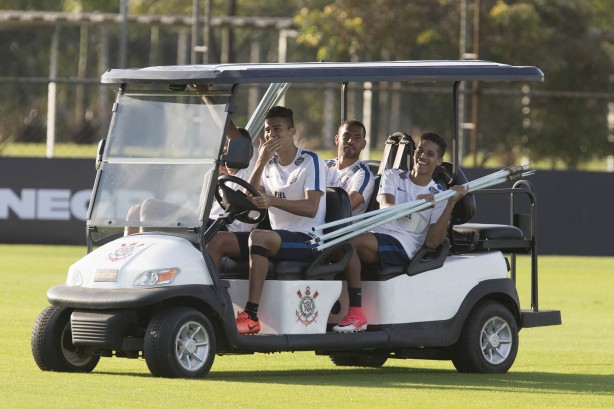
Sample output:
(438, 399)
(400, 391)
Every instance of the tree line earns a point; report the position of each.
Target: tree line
(568, 118)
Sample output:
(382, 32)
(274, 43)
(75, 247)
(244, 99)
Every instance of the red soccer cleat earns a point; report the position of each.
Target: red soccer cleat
(354, 321)
(246, 325)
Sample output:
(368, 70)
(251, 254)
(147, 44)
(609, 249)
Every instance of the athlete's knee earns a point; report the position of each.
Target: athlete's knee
(266, 239)
(259, 237)
(220, 241)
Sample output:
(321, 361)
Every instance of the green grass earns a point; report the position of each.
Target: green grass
(567, 366)
(73, 150)
(39, 150)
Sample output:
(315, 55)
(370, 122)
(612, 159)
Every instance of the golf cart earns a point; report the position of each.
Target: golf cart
(157, 294)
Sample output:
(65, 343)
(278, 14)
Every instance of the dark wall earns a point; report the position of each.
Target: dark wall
(45, 201)
(574, 211)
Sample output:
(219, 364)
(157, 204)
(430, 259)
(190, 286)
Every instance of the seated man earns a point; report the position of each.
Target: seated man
(346, 170)
(292, 183)
(216, 208)
(154, 209)
(396, 242)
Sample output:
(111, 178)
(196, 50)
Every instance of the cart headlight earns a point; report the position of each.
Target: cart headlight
(156, 278)
(75, 279)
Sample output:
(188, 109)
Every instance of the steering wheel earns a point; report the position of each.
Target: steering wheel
(235, 201)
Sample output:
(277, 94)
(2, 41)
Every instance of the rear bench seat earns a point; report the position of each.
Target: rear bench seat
(487, 237)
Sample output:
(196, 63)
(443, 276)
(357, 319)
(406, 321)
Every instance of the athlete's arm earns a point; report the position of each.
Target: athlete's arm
(385, 200)
(437, 231)
(356, 199)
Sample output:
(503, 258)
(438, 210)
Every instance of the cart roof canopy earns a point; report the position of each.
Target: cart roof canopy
(416, 71)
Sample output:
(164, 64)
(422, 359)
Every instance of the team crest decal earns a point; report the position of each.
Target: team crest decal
(433, 190)
(307, 309)
(299, 161)
(124, 251)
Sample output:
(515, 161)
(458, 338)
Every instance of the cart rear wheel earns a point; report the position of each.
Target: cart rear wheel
(489, 340)
(52, 346)
(179, 343)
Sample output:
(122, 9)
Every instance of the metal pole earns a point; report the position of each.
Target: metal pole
(194, 31)
(52, 93)
(104, 97)
(207, 33)
(344, 101)
(456, 143)
(123, 32)
(461, 91)
(475, 88)
(367, 111)
(282, 46)
(182, 47)
(81, 74)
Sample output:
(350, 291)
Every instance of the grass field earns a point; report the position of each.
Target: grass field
(567, 366)
(73, 150)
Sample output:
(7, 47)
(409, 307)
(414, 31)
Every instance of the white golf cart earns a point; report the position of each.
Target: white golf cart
(157, 294)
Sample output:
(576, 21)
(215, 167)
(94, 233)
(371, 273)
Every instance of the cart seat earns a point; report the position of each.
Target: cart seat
(328, 264)
(486, 237)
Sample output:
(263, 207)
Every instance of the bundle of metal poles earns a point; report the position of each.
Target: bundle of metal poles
(367, 221)
(271, 97)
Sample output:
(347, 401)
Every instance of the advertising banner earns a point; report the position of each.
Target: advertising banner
(44, 201)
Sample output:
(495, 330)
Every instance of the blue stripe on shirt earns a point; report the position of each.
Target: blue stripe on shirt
(316, 166)
(365, 181)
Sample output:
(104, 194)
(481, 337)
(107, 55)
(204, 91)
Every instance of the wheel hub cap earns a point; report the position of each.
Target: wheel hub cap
(190, 346)
(496, 340)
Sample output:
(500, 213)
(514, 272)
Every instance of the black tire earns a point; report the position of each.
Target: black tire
(52, 346)
(179, 343)
(368, 361)
(489, 340)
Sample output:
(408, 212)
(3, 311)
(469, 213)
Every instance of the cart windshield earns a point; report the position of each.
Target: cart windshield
(159, 162)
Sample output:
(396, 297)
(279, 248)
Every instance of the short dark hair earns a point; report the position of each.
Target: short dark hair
(244, 133)
(437, 140)
(352, 122)
(281, 112)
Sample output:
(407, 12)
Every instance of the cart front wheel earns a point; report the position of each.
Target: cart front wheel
(179, 343)
(52, 346)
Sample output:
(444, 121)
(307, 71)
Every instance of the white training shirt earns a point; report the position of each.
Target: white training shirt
(306, 172)
(409, 230)
(354, 178)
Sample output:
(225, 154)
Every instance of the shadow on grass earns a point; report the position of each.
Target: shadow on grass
(397, 377)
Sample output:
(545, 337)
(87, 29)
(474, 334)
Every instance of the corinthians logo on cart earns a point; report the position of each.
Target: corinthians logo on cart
(124, 251)
(307, 311)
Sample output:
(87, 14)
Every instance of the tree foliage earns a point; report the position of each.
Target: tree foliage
(562, 38)
(563, 119)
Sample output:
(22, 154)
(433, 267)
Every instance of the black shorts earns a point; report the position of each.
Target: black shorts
(391, 251)
(243, 239)
(294, 246)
